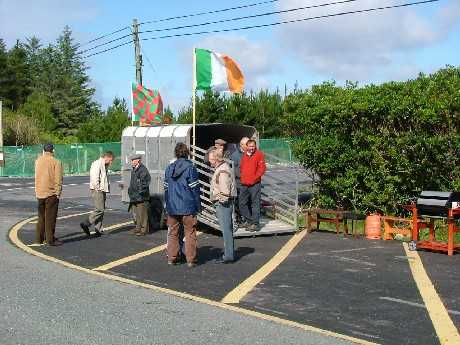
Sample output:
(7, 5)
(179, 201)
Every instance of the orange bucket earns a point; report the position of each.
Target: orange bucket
(373, 227)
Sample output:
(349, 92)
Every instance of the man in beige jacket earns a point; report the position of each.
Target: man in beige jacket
(99, 186)
(48, 188)
(223, 193)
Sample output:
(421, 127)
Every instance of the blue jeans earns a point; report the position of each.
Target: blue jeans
(224, 213)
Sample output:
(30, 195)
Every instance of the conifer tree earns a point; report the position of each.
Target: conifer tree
(70, 93)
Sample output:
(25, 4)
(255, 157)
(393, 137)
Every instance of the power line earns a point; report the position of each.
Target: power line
(209, 12)
(250, 16)
(148, 61)
(104, 36)
(222, 21)
(271, 24)
(168, 19)
(108, 49)
(290, 21)
(105, 43)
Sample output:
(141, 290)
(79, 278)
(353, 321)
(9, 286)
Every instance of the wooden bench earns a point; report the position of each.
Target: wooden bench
(396, 225)
(405, 226)
(318, 215)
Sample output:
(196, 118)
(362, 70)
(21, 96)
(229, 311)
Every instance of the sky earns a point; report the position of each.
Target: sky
(370, 47)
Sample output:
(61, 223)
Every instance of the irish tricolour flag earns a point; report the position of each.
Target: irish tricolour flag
(217, 72)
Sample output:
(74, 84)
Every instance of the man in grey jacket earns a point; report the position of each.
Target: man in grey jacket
(223, 193)
(236, 158)
(99, 186)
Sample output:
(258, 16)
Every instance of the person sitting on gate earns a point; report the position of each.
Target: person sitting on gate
(223, 193)
(182, 199)
(252, 168)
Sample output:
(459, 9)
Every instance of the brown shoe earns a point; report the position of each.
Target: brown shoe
(141, 233)
(56, 243)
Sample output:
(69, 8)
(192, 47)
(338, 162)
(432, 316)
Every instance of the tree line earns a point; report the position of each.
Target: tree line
(47, 96)
(373, 147)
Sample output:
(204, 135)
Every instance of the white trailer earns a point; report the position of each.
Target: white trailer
(280, 185)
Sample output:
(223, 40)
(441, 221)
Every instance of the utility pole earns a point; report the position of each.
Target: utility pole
(1, 127)
(137, 52)
(2, 154)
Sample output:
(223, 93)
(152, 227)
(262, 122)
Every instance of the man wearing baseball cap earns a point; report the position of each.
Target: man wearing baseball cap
(48, 188)
(139, 194)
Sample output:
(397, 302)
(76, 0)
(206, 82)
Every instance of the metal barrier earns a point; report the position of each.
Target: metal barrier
(282, 184)
(208, 212)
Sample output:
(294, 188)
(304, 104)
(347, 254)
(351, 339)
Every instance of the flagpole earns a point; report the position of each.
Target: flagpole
(132, 103)
(194, 101)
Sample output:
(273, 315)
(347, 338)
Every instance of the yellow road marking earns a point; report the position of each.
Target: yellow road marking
(78, 235)
(127, 259)
(13, 235)
(117, 226)
(68, 216)
(134, 257)
(445, 328)
(238, 293)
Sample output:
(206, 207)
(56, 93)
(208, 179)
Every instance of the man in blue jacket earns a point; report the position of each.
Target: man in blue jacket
(182, 198)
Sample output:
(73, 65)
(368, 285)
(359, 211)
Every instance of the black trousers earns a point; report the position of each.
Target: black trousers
(47, 214)
(249, 202)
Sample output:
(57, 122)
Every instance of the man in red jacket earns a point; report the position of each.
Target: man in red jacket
(252, 168)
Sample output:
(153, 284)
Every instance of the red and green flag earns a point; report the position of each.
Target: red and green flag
(147, 105)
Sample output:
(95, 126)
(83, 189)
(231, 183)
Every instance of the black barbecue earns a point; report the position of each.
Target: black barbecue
(437, 204)
(429, 205)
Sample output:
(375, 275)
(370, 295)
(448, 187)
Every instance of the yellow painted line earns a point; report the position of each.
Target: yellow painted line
(68, 216)
(238, 293)
(445, 328)
(13, 235)
(78, 235)
(117, 226)
(131, 258)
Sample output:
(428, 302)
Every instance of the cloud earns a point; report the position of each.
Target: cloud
(357, 46)
(42, 18)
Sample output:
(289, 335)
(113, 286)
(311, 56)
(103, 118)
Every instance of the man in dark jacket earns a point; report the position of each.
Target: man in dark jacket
(182, 198)
(236, 158)
(139, 194)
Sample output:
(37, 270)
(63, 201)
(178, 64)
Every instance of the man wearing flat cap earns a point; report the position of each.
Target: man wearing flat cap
(48, 187)
(139, 194)
(220, 145)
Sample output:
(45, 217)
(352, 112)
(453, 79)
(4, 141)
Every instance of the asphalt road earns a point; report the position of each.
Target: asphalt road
(45, 303)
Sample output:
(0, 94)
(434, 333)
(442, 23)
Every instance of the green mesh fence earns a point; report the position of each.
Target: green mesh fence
(77, 158)
(280, 148)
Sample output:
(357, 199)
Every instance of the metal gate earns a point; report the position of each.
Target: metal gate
(282, 184)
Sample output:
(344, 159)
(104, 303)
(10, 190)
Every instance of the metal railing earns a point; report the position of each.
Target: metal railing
(281, 185)
(208, 212)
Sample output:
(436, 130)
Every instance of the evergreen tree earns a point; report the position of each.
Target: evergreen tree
(70, 92)
(39, 108)
(107, 127)
(4, 80)
(17, 86)
(33, 51)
